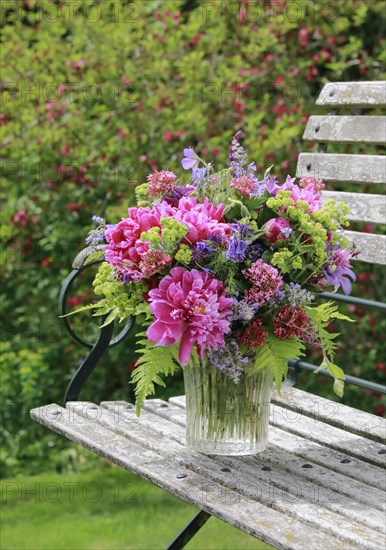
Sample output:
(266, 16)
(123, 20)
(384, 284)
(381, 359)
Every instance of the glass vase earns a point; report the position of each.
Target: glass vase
(224, 417)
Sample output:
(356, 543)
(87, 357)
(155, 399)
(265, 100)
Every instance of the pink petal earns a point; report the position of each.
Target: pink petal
(163, 334)
(156, 331)
(200, 351)
(162, 311)
(186, 347)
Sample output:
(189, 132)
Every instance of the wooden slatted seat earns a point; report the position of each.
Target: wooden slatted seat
(321, 482)
(315, 481)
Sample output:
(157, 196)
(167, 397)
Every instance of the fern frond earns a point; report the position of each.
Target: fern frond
(322, 315)
(153, 361)
(80, 309)
(275, 354)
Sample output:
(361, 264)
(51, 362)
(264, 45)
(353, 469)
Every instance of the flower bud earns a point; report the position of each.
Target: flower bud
(276, 229)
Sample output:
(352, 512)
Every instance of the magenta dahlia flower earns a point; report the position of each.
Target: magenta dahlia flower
(204, 220)
(124, 248)
(190, 307)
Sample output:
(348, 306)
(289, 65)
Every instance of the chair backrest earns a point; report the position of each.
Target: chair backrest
(365, 129)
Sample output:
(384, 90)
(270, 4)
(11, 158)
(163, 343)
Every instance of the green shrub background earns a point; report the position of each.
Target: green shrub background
(96, 95)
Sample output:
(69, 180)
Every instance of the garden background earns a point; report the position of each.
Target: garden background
(95, 95)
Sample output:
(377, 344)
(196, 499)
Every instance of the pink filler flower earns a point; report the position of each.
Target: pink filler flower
(191, 306)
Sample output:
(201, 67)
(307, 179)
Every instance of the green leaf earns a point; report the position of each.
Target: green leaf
(275, 354)
(83, 308)
(322, 315)
(111, 317)
(335, 371)
(339, 387)
(153, 361)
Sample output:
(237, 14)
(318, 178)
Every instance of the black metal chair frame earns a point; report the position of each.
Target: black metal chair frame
(106, 340)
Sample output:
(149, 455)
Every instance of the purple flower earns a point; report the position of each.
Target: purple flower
(200, 250)
(236, 249)
(242, 311)
(174, 196)
(242, 229)
(190, 160)
(199, 175)
(255, 251)
(95, 236)
(216, 239)
(229, 359)
(272, 187)
(338, 270)
(298, 296)
(235, 148)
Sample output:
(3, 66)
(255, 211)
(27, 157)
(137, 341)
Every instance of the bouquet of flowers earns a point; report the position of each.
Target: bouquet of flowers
(224, 267)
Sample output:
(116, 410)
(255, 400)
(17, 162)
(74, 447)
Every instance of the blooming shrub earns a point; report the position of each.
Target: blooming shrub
(93, 99)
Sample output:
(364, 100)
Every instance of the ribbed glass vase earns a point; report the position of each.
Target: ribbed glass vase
(223, 417)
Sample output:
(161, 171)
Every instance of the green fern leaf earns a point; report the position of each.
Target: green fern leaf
(322, 315)
(79, 310)
(275, 354)
(153, 361)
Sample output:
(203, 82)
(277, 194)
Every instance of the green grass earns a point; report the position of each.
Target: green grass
(106, 509)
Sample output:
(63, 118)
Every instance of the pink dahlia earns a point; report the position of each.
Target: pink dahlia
(204, 220)
(124, 248)
(193, 307)
(161, 182)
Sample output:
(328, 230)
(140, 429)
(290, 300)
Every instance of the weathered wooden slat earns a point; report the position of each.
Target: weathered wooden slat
(332, 412)
(244, 478)
(343, 168)
(310, 451)
(336, 491)
(347, 129)
(251, 516)
(372, 247)
(358, 94)
(363, 207)
(313, 430)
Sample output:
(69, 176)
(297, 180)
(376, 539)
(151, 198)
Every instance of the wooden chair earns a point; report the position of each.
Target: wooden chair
(320, 483)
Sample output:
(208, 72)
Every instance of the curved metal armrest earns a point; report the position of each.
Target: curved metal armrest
(105, 339)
